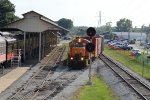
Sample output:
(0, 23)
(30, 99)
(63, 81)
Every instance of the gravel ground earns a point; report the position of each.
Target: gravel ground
(6, 70)
(17, 84)
(117, 86)
(68, 92)
(135, 74)
(22, 80)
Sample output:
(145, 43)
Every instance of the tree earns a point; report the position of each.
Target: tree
(108, 26)
(124, 25)
(7, 10)
(79, 30)
(66, 23)
(136, 29)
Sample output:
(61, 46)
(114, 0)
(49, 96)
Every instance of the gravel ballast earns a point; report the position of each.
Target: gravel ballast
(116, 85)
(68, 92)
(119, 87)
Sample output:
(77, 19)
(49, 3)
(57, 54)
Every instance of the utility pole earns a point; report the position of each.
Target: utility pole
(99, 21)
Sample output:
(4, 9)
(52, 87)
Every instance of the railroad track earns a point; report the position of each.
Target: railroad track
(54, 86)
(140, 89)
(39, 78)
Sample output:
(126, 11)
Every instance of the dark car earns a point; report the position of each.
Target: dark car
(67, 38)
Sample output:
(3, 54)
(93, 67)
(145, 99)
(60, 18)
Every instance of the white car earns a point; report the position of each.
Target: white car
(136, 52)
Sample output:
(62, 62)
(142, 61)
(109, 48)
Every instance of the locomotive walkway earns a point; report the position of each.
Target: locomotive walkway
(9, 78)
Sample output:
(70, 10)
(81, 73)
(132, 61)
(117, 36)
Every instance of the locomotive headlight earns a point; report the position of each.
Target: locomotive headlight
(71, 58)
(82, 58)
(79, 40)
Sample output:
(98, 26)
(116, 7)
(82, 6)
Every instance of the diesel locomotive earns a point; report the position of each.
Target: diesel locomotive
(78, 56)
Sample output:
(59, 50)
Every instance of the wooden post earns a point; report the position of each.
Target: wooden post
(24, 45)
(40, 46)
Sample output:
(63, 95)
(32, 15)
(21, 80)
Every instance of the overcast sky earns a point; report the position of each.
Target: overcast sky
(86, 12)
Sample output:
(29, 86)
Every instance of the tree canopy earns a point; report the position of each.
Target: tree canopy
(66, 23)
(7, 11)
(124, 25)
(79, 30)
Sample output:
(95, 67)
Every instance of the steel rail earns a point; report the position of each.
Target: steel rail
(37, 72)
(102, 57)
(61, 83)
(45, 80)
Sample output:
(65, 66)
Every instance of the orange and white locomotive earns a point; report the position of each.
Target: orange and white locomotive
(78, 57)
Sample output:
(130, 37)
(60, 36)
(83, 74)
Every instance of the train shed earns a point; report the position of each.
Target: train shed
(37, 34)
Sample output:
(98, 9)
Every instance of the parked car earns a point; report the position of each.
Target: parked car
(127, 47)
(132, 41)
(121, 45)
(114, 45)
(135, 52)
(67, 38)
(117, 46)
(106, 41)
(148, 45)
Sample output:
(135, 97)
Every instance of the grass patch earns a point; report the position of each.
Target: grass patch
(134, 63)
(66, 44)
(98, 91)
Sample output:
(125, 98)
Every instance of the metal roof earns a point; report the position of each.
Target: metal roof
(41, 17)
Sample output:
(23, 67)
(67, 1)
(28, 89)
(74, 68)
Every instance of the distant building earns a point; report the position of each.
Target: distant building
(133, 35)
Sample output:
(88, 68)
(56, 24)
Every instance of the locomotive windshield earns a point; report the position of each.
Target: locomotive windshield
(77, 45)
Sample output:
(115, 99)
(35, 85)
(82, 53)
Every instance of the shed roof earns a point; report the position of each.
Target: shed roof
(35, 22)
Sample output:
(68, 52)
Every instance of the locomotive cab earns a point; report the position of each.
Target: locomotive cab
(77, 58)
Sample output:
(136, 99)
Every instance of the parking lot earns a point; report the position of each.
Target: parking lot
(136, 48)
(141, 48)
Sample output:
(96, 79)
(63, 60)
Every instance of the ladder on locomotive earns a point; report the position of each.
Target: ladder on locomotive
(16, 58)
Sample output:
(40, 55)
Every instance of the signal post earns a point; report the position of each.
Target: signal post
(90, 47)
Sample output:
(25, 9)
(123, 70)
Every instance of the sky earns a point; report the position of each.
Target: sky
(86, 12)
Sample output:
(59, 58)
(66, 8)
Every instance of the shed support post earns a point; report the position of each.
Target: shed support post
(24, 46)
(43, 44)
(40, 46)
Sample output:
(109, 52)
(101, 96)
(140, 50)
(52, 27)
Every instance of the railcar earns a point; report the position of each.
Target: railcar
(78, 57)
(7, 44)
